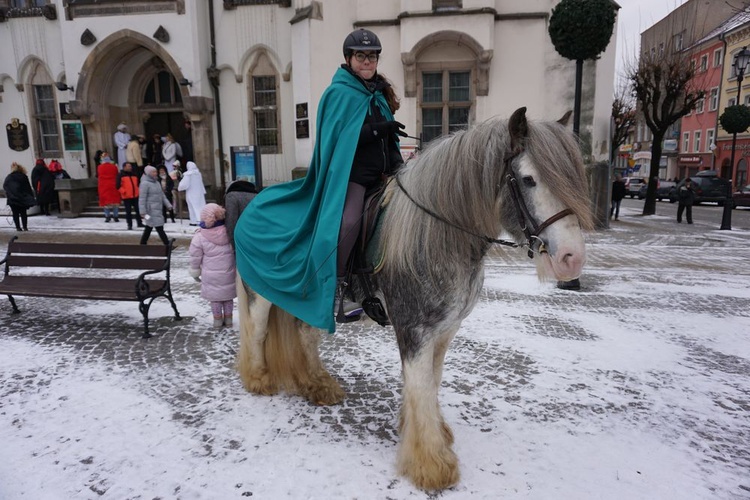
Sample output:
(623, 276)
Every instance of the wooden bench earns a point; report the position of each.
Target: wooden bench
(47, 262)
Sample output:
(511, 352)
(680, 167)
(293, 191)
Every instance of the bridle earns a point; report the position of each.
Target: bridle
(526, 221)
(528, 224)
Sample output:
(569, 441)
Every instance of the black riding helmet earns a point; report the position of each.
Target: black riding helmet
(361, 39)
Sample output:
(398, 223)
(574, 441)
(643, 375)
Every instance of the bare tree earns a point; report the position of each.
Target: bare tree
(623, 117)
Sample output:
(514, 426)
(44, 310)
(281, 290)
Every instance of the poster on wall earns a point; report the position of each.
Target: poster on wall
(73, 136)
(246, 164)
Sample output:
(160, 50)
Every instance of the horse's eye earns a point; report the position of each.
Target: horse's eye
(528, 181)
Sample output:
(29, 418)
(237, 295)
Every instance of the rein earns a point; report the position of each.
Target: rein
(534, 242)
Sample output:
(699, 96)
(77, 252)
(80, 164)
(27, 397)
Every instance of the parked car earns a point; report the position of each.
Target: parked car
(707, 187)
(741, 197)
(632, 185)
(662, 189)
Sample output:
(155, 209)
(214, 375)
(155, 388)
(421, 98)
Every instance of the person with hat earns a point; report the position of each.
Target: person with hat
(212, 262)
(127, 185)
(122, 138)
(19, 195)
(151, 199)
(169, 151)
(195, 192)
(109, 196)
(304, 231)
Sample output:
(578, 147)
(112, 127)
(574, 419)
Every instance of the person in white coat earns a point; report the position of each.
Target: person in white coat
(122, 138)
(169, 152)
(195, 193)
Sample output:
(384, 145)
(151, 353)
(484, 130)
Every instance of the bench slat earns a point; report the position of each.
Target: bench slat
(87, 262)
(86, 249)
(75, 288)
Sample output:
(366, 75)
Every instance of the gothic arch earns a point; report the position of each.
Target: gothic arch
(482, 57)
(250, 58)
(27, 66)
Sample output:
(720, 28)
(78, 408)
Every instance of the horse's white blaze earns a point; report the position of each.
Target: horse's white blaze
(565, 245)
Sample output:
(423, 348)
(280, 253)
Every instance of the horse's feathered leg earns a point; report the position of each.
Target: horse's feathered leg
(425, 454)
(316, 384)
(254, 311)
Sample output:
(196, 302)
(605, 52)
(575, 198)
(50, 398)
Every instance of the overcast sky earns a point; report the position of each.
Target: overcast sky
(634, 17)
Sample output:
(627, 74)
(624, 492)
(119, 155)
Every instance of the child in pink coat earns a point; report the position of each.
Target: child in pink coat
(212, 260)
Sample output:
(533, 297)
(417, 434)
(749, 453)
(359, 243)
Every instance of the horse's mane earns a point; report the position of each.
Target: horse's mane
(460, 177)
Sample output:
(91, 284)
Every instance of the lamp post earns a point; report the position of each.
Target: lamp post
(741, 60)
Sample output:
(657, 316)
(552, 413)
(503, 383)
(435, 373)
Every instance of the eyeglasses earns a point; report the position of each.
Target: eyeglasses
(361, 56)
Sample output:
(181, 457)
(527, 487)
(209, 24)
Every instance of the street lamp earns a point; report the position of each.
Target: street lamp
(741, 60)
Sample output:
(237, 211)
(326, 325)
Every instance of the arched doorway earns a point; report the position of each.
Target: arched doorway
(131, 78)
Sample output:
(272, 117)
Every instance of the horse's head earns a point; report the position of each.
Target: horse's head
(544, 196)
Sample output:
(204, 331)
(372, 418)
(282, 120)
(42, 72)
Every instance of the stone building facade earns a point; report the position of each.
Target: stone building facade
(225, 74)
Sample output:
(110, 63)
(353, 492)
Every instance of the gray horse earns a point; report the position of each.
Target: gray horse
(444, 212)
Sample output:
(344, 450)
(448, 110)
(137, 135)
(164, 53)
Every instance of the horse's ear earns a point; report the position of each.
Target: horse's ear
(564, 120)
(518, 128)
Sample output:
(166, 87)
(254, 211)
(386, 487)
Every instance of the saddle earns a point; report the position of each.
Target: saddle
(365, 260)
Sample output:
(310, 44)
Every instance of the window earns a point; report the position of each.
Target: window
(686, 142)
(162, 91)
(697, 142)
(713, 99)
(677, 41)
(746, 100)
(710, 146)
(699, 106)
(20, 4)
(45, 120)
(717, 57)
(704, 62)
(446, 102)
(446, 4)
(661, 49)
(265, 113)
(732, 101)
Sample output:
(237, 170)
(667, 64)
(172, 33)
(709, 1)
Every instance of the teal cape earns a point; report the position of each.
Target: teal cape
(286, 239)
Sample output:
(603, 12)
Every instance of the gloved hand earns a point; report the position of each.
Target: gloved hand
(385, 128)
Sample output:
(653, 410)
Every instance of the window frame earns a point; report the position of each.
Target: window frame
(38, 116)
(686, 142)
(713, 102)
(710, 139)
(718, 57)
(704, 63)
(445, 104)
(700, 105)
(697, 141)
(264, 69)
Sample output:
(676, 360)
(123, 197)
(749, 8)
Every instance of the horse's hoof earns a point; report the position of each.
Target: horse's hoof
(326, 395)
(261, 385)
(430, 471)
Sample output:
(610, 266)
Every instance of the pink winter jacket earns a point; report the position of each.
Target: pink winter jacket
(212, 258)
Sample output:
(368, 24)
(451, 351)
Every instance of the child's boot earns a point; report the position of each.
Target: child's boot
(228, 321)
(218, 321)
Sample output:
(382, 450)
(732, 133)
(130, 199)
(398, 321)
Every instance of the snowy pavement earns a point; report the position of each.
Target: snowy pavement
(636, 387)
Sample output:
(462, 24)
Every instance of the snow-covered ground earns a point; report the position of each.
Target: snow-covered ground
(636, 387)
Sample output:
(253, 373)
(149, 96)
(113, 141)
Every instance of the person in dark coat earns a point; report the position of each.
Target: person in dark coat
(686, 197)
(618, 193)
(19, 195)
(239, 195)
(43, 182)
(167, 185)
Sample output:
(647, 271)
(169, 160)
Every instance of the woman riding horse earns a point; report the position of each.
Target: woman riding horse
(286, 240)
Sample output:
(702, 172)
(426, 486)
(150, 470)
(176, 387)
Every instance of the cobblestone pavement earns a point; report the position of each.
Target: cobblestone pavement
(531, 357)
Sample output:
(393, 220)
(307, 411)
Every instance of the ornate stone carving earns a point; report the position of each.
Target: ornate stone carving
(161, 34)
(87, 38)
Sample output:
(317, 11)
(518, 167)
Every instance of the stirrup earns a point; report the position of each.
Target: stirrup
(346, 311)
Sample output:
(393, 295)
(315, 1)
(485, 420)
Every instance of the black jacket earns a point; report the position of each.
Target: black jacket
(618, 190)
(376, 154)
(686, 195)
(18, 190)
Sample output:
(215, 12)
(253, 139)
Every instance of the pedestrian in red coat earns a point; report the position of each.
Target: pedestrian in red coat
(109, 196)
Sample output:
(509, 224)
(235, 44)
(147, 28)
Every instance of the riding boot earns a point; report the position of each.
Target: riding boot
(345, 310)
